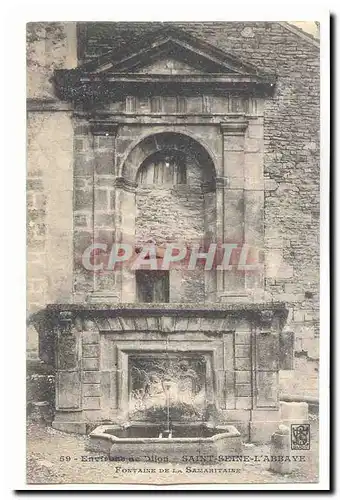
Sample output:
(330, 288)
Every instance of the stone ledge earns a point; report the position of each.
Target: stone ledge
(130, 309)
(48, 105)
(209, 318)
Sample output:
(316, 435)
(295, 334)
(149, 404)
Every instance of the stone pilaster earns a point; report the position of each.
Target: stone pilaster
(230, 204)
(265, 349)
(125, 215)
(241, 219)
(104, 135)
(254, 207)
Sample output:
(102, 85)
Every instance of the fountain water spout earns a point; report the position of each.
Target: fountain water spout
(168, 431)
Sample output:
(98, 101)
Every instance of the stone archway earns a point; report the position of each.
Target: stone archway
(158, 141)
(168, 213)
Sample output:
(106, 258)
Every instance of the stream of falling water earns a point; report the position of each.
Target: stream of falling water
(166, 385)
(167, 392)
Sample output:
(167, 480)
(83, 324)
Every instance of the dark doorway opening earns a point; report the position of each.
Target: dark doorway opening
(152, 286)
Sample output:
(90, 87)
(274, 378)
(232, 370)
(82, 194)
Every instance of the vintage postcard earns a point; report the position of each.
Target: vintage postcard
(173, 200)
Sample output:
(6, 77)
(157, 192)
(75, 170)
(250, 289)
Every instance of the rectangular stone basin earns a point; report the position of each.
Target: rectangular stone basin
(143, 442)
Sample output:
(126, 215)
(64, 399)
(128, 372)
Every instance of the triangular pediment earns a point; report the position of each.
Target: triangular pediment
(169, 60)
(168, 66)
(170, 51)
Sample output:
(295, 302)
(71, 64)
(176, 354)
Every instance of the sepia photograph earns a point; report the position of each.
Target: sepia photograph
(173, 253)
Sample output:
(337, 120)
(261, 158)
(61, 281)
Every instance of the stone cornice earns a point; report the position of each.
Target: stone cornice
(169, 309)
(164, 318)
(77, 87)
(209, 319)
(47, 105)
(156, 119)
(103, 127)
(234, 127)
(118, 72)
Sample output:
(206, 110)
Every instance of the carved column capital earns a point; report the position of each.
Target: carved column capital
(127, 185)
(265, 319)
(221, 182)
(65, 319)
(234, 127)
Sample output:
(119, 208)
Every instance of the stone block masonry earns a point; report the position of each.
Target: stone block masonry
(291, 145)
(73, 195)
(227, 348)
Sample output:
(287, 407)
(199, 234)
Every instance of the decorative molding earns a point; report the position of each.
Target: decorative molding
(206, 104)
(103, 296)
(154, 309)
(165, 118)
(103, 127)
(130, 104)
(216, 333)
(167, 317)
(221, 182)
(47, 105)
(127, 185)
(234, 127)
(265, 318)
(116, 73)
(165, 42)
(65, 321)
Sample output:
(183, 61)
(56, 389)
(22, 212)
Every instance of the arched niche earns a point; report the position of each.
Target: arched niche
(160, 141)
(167, 194)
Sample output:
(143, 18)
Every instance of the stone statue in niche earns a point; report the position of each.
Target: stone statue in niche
(167, 381)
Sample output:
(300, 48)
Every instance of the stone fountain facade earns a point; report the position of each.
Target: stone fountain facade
(231, 356)
(218, 336)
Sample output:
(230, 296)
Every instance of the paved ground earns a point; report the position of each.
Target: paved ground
(55, 457)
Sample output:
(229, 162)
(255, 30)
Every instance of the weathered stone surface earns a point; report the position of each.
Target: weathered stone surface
(242, 337)
(91, 402)
(101, 441)
(72, 427)
(280, 451)
(295, 412)
(242, 364)
(90, 351)
(276, 161)
(289, 150)
(286, 343)
(68, 390)
(90, 364)
(242, 351)
(242, 377)
(90, 338)
(92, 390)
(243, 390)
(91, 377)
